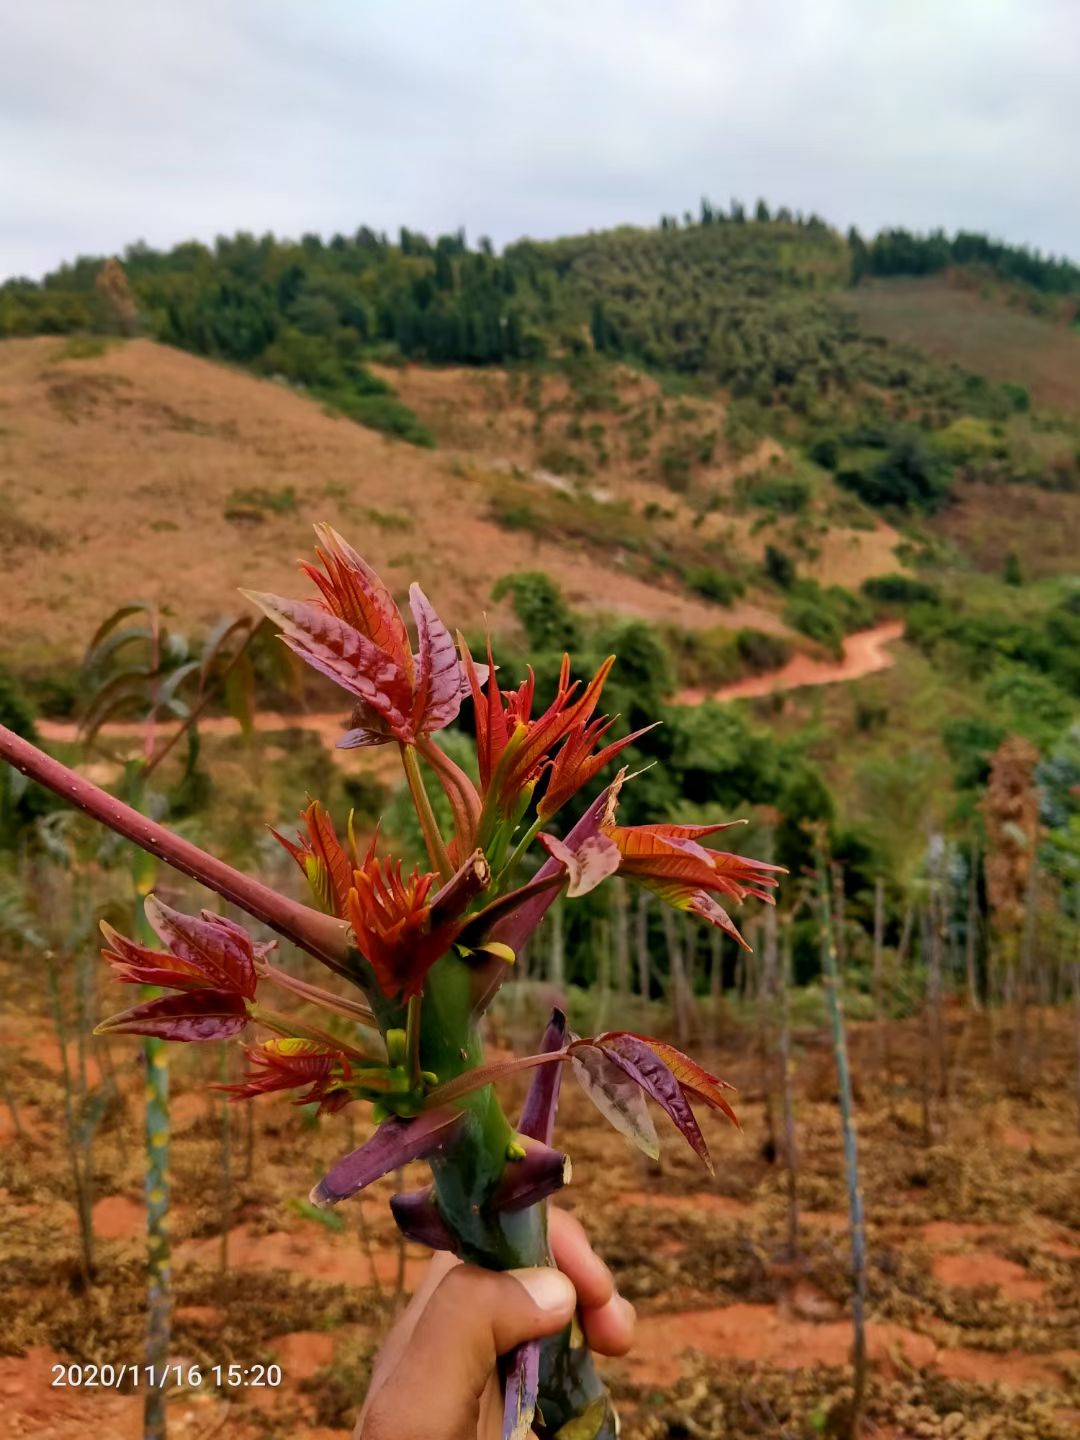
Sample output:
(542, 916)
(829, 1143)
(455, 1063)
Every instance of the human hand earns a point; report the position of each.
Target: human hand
(435, 1378)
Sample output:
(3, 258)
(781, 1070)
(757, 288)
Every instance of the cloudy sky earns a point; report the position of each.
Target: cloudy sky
(167, 119)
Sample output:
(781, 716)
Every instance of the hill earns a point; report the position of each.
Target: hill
(141, 470)
(979, 328)
(755, 432)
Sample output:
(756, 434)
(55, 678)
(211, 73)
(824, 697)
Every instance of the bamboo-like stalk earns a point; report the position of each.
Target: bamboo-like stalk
(831, 976)
(791, 1153)
(226, 1168)
(158, 1263)
(767, 1000)
(77, 1144)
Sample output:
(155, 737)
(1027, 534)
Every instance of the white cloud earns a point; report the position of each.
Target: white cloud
(157, 119)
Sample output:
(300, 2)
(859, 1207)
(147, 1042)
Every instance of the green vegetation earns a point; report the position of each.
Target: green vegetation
(723, 300)
(257, 501)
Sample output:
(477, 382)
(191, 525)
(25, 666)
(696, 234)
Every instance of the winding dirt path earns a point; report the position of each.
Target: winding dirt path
(864, 654)
(329, 726)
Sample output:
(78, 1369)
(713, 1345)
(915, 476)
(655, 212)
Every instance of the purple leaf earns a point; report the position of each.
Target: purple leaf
(617, 1097)
(522, 1391)
(196, 1015)
(358, 738)
(419, 1219)
(542, 1102)
(394, 1144)
(645, 1067)
(439, 673)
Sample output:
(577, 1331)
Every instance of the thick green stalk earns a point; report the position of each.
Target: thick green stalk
(466, 1174)
(831, 976)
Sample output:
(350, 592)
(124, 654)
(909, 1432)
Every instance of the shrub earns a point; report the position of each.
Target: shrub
(910, 475)
(388, 415)
(760, 651)
(779, 567)
(900, 590)
(825, 451)
(810, 617)
(786, 493)
(715, 585)
(541, 611)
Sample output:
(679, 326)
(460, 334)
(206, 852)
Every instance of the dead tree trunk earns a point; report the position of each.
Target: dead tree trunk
(620, 902)
(971, 931)
(644, 970)
(678, 978)
(716, 981)
(556, 948)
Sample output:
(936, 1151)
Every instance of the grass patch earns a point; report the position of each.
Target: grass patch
(85, 347)
(255, 503)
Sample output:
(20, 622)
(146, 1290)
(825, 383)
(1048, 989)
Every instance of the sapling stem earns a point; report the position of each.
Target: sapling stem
(831, 977)
(429, 826)
(412, 1040)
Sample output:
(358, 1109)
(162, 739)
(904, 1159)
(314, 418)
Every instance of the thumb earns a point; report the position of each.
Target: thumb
(472, 1318)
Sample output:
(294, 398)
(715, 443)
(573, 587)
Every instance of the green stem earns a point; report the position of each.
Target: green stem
(412, 1040)
(429, 826)
(519, 850)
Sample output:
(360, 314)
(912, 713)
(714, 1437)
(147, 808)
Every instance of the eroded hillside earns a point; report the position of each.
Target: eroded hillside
(144, 471)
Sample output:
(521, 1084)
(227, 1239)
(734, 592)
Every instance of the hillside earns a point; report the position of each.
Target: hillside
(756, 432)
(980, 329)
(145, 471)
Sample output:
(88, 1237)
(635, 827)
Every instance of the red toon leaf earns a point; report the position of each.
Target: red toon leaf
(197, 1015)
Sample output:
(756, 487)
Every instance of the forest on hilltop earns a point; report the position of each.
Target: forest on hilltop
(723, 299)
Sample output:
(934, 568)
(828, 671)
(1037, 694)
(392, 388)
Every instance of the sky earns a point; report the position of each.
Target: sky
(165, 120)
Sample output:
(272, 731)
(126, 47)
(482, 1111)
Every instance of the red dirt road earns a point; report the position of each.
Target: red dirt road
(864, 654)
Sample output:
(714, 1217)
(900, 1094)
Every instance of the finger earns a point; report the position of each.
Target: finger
(606, 1318)
(576, 1258)
(472, 1317)
(609, 1330)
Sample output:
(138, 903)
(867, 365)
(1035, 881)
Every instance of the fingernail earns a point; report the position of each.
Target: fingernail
(548, 1289)
(628, 1309)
